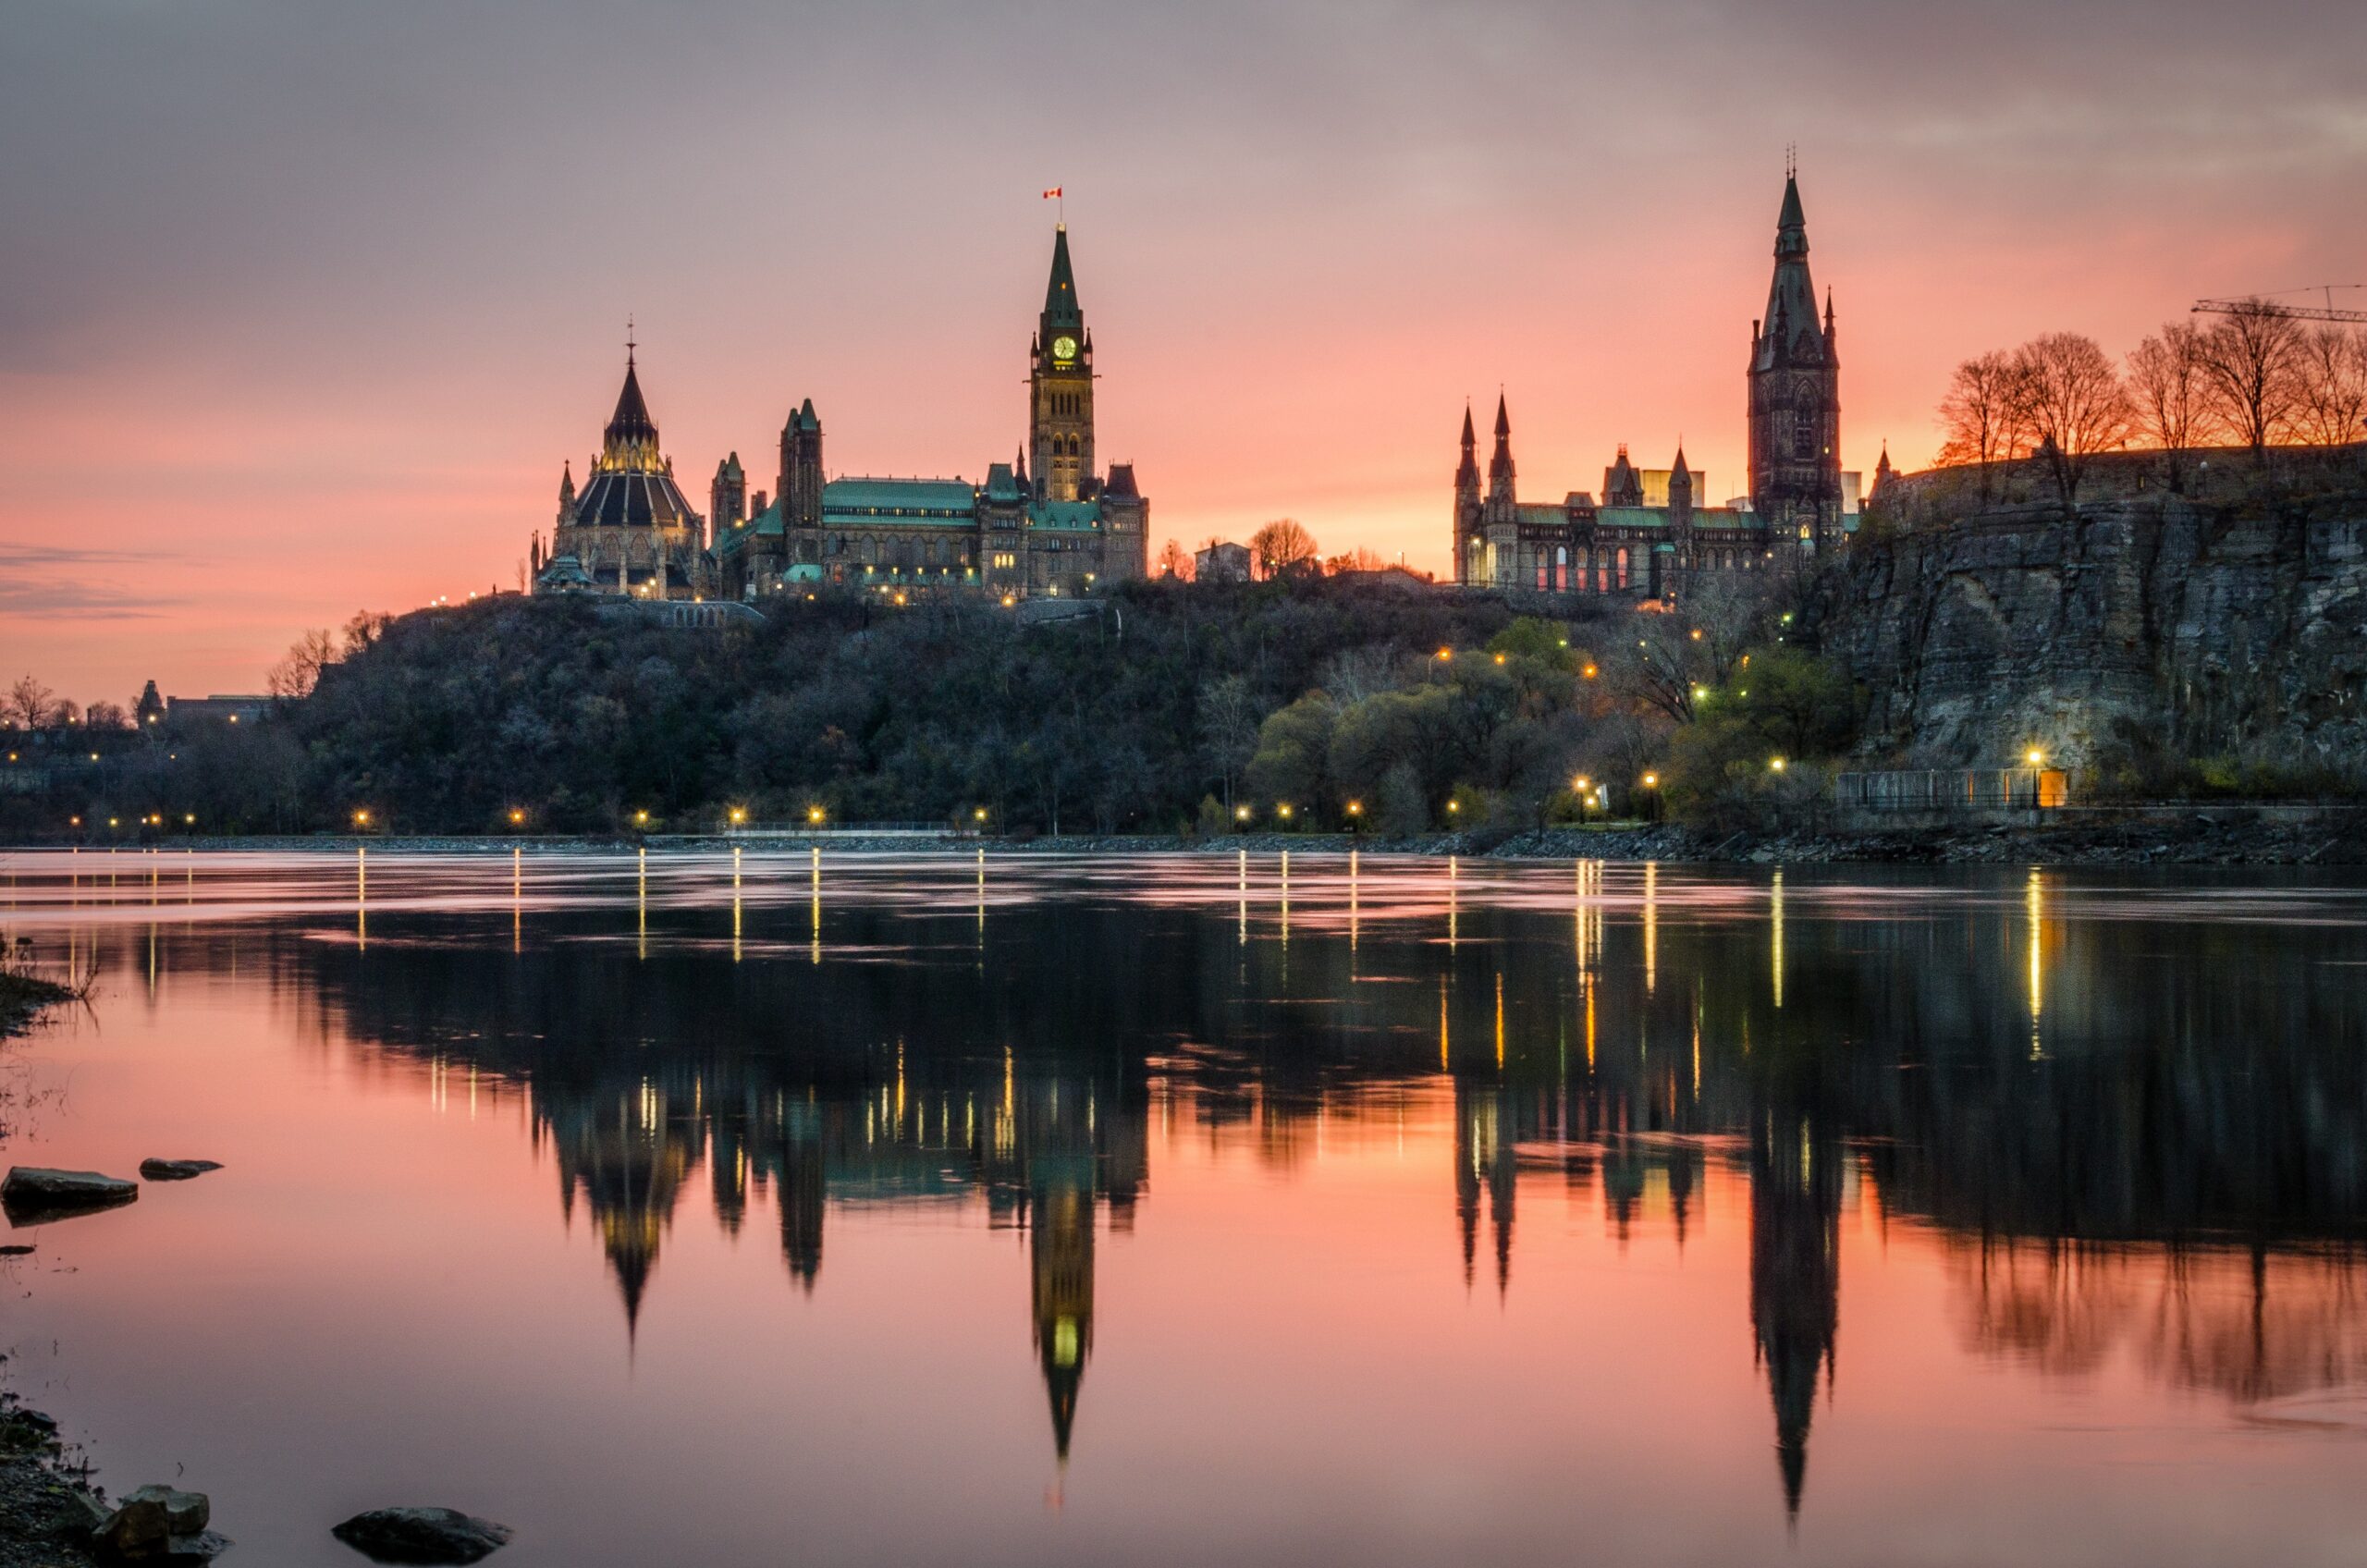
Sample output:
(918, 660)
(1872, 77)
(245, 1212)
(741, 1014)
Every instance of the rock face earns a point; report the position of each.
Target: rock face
(32, 1193)
(422, 1534)
(176, 1169)
(2237, 623)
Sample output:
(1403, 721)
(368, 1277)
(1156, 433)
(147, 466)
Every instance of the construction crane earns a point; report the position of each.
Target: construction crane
(2297, 312)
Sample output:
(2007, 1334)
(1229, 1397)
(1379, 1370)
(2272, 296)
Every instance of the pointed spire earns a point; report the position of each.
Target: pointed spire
(630, 425)
(1469, 440)
(1503, 420)
(1500, 466)
(1061, 307)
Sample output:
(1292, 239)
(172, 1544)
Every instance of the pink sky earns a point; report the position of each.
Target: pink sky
(306, 305)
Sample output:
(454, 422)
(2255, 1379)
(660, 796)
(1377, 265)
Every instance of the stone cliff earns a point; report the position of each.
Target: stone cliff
(2229, 621)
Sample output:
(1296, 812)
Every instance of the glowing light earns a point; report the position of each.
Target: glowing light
(814, 814)
(2034, 756)
(362, 818)
(1241, 814)
(516, 816)
(1454, 806)
(1355, 808)
(1284, 811)
(1775, 764)
(1500, 658)
(1651, 781)
(1589, 672)
(739, 815)
(640, 817)
(1445, 654)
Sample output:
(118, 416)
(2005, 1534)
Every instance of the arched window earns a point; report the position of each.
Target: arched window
(1562, 567)
(1622, 570)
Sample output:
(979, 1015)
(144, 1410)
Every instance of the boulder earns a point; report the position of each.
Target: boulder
(422, 1534)
(177, 1170)
(157, 1523)
(31, 1194)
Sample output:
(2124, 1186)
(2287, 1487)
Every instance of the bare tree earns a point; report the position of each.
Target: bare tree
(299, 669)
(1229, 720)
(364, 629)
(1176, 562)
(2166, 390)
(2252, 362)
(1980, 416)
(2072, 402)
(1281, 546)
(30, 705)
(1364, 558)
(2331, 402)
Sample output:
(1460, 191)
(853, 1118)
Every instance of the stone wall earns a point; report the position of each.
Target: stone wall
(2234, 622)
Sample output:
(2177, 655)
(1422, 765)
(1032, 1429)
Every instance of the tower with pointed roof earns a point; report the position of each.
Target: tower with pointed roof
(1796, 396)
(728, 496)
(1466, 504)
(631, 531)
(1059, 432)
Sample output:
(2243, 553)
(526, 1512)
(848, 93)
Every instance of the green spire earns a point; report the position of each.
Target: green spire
(1060, 309)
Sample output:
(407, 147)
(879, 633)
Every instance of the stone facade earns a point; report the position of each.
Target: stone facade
(1652, 527)
(1071, 529)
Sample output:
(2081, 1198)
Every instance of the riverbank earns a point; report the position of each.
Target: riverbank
(45, 1512)
(2200, 835)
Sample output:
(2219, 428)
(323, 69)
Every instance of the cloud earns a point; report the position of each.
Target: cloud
(76, 601)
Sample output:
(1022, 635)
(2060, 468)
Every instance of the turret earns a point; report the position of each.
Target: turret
(566, 493)
(1500, 466)
(1466, 472)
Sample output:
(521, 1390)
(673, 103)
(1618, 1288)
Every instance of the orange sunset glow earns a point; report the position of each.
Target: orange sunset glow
(311, 309)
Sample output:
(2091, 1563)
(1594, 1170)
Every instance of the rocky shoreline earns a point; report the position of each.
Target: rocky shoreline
(2202, 835)
(47, 1512)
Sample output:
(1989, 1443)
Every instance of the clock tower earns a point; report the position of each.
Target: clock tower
(1059, 408)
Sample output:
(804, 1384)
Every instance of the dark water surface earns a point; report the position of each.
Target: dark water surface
(1185, 1210)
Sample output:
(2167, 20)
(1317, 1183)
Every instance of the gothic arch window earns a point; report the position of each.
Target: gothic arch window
(1804, 423)
(1622, 570)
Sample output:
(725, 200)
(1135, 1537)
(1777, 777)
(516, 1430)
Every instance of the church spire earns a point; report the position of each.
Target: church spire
(1792, 334)
(1500, 466)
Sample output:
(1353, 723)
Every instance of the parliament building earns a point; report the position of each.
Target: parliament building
(1053, 521)
(1653, 528)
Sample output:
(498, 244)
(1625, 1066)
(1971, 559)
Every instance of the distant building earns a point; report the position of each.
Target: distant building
(1071, 527)
(1652, 527)
(1221, 562)
(216, 709)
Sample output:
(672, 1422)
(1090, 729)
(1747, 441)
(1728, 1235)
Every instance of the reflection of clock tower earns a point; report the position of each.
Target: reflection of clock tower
(1060, 438)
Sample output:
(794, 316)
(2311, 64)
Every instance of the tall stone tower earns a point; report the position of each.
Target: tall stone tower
(1060, 418)
(1796, 396)
(1467, 505)
(728, 496)
(800, 481)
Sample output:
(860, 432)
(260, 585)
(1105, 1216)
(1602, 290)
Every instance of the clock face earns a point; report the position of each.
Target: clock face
(1064, 349)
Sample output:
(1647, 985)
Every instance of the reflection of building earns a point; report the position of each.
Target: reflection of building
(1653, 528)
(1795, 1276)
(1484, 1154)
(1061, 1260)
(630, 1158)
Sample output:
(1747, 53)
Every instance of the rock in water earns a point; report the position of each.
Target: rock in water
(422, 1534)
(32, 1195)
(156, 1523)
(177, 1170)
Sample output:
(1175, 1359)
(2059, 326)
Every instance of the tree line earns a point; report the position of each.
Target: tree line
(2257, 376)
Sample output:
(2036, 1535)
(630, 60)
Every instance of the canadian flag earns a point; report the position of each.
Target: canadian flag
(1053, 194)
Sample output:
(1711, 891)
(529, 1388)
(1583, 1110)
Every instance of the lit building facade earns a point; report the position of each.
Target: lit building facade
(1652, 528)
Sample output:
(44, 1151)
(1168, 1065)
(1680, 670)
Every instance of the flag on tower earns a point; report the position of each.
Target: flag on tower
(1053, 194)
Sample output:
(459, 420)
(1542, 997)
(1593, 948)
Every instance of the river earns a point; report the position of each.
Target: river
(853, 1209)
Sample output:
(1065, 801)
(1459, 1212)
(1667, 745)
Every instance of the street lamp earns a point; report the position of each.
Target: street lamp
(2034, 756)
(739, 815)
(1775, 764)
(362, 818)
(1284, 811)
(815, 814)
(517, 817)
(641, 819)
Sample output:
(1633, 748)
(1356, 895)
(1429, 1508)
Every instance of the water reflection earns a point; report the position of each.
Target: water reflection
(2138, 1121)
